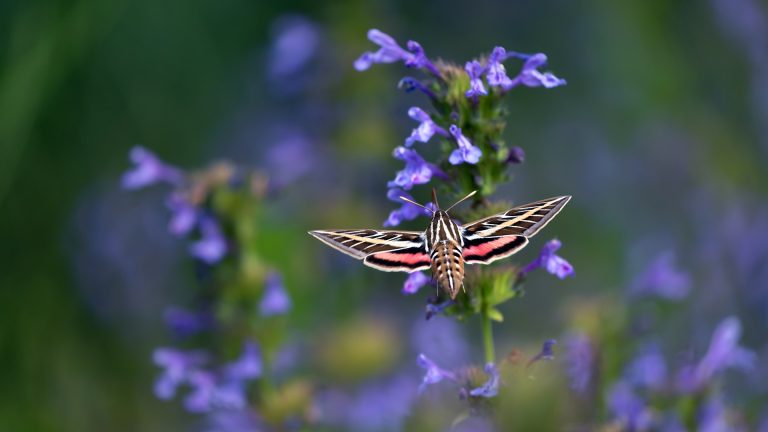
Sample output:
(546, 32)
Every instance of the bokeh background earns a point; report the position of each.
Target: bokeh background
(661, 136)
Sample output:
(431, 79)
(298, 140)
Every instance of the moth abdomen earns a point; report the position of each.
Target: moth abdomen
(448, 267)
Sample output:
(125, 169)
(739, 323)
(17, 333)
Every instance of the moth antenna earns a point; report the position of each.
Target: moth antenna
(414, 202)
(434, 199)
(461, 200)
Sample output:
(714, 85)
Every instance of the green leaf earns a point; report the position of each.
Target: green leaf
(495, 314)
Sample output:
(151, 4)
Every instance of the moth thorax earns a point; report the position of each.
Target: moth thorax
(448, 267)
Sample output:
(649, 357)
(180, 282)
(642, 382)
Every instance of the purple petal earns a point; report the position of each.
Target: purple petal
(546, 352)
(186, 323)
(491, 387)
(275, 300)
(212, 245)
(662, 279)
(183, 215)
(434, 373)
(248, 366)
(415, 281)
(148, 170)
(580, 358)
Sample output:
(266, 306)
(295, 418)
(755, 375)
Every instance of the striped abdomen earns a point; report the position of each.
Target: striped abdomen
(448, 266)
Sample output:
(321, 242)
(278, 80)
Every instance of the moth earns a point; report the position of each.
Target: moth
(445, 247)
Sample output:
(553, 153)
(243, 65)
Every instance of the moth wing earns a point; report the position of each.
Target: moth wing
(381, 249)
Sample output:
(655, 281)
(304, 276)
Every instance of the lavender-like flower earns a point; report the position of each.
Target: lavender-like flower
(434, 373)
(723, 353)
(551, 262)
(546, 352)
(212, 245)
(148, 170)
(427, 128)
(649, 369)
(662, 279)
(390, 52)
(177, 366)
(275, 300)
(209, 393)
(628, 408)
(416, 171)
(531, 77)
(475, 71)
(466, 151)
(491, 387)
(184, 215)
(248, 366)
(407, 211)
(580, 359)
(415, 281)
(187, 323)
(496, 73)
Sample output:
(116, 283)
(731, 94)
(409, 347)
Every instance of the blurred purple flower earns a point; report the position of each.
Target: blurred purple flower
(491, 387)
(187, 323)
(275, 300)
(148, 170)
(209, 393)
(183, 214)
(295, 41)
(662, 279)
(531, 77)
(442, 338)
(551, 262)
(516, 155)
(390, 52)
(546, 352)
(177, 367)
(415, 281)
(496, 73)
(416, 171)
(649, 369)
(723, 353)
(466, 151)
(212, 245)
(434, 373)
(628, 408)
(436, 308)
(427, 128)
(248, 366)
(713, 417)
(475, 71)
(581, 361)
(229, 420)
(291, 157)
(407, 211)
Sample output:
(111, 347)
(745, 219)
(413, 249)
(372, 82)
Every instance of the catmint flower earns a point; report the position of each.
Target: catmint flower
(491, 387)
(187, 323)
(212, 245)
(416, 171)
(427, 128)
(662, 279)
(178, 366)
(495, 71)
(208, 393)
(407, 211)
(436, 308)
(248, 366)
(275, 300)
(723, 353)
(551, 262)
(148, 170)
(516, 155)
(184, 215)
(531, 77)
(628, 408)
(390, 52)
(415, 281)
(434, 373)
(295, 42)
(475, 71)
(466, 151)
(546, 352)
(649, 369)
(581, 359)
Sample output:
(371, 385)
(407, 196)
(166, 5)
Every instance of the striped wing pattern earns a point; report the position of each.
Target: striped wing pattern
(500, 236)
(380, 249)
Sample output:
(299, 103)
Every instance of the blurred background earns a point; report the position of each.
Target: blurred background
(660, 135)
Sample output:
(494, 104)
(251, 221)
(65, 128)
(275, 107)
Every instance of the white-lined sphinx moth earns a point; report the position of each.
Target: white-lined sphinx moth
(446, 246)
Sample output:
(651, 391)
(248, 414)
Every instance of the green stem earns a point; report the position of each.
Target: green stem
(490, 355)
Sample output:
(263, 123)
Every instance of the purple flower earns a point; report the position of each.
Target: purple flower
(427, 128)
(248, 366)
(416, 171)
(580, 358)
(436, 308)
(275, 300)
(496, 73)
(546, 352)
(649, 369)
(713, 417)
(295, 41)
(390, 52)
(662, 279)
(415, 281)
(148, 170)
(466, 151)
(434, 373)
(628, 408)
(177, 367)
(183, 215)
(407, 211)
(475, 71)
(723, 353)
(551, 262)
(212, 245)
(516, 155)
(209, 393)
(187, 323)
(491, 387)
(531, 77)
